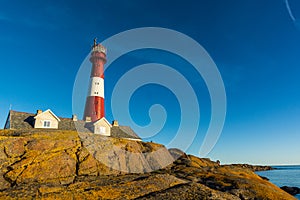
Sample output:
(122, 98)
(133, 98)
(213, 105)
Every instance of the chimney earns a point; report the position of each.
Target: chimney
(74, 118)
(88, 119)
(115, 123)
(38, 112)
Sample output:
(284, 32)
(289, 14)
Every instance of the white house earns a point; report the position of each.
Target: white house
(46, 119)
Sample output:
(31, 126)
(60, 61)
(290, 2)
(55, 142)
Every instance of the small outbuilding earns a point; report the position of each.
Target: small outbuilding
(102, 127)
(46, 119)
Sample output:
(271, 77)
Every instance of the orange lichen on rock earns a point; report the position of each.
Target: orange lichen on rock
(70, 165)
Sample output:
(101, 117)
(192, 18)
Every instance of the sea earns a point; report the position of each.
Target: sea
(288, 175)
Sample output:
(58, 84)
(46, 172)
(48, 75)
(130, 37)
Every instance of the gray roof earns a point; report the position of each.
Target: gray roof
(25, 121)
(21, 120)
(123, 132)
(79, 125)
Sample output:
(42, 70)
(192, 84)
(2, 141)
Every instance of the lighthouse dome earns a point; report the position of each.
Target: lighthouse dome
(99, 48)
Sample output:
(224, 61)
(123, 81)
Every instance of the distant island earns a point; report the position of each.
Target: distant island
(254, 167)
(58, 164)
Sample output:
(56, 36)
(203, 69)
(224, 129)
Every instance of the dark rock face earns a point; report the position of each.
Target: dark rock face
(291, 190)
(265, 178)
(60, 165)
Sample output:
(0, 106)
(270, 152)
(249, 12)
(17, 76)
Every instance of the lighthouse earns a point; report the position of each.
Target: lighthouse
(94, 106)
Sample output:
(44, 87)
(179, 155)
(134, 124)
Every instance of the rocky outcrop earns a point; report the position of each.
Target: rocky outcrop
(68, 165)
(59, 157)
(124, 155)
(291, 190)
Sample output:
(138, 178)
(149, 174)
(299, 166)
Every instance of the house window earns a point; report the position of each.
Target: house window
(47, 124)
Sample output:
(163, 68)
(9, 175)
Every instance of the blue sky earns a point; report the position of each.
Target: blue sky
(255, 45)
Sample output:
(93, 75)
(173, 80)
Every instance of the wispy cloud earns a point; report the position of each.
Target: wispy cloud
(290, 10)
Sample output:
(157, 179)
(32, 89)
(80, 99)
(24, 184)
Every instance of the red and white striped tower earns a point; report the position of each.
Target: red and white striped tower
(94, 106)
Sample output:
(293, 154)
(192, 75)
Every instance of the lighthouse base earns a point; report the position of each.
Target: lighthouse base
(94, 108)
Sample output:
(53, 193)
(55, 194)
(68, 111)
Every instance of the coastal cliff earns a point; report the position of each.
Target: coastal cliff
(66, 165)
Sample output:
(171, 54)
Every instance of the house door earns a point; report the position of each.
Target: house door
(100, 130)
